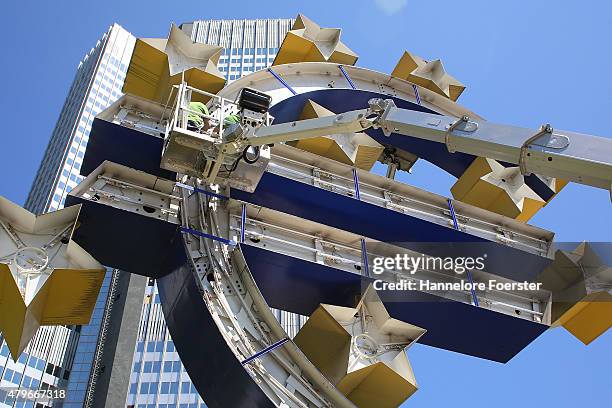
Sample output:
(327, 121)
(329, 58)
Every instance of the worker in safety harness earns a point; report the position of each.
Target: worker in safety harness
(196, 122)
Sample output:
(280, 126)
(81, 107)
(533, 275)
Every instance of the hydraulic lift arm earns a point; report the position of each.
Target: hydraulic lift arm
(581, 158)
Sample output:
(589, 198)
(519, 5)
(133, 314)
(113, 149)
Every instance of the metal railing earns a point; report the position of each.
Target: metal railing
(301, 245)
(377, 195)
(219, 109)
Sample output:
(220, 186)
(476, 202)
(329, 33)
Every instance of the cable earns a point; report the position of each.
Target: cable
(247, 158)
(234, 166)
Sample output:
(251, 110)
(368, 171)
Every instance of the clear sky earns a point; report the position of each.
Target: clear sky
(524, 63)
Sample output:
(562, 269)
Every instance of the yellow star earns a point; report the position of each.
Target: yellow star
(488, 184)
(45, 277)
(308, 42)
(581, 286)
(355, 149)
(362, 351)
(159, 63)
(430, 75)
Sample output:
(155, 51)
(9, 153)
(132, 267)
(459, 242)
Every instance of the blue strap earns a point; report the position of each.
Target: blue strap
(264, 351)
(242, 222)
(356, 181)
(282, 81)
(416, 93)
(348, 78)
(209, 236)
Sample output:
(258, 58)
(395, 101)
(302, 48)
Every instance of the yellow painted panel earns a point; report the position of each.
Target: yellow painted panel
(12, 311)
(67, 297)
(72, 296)
(530, 208)
(343, 58)
(210, 80)
(326, 344)
(483, 194)
(478, 168)
(326, 147)
(589, 318)
(295, 49)
(367, 156)
(147, 70)
(312, 110)
(504, 204)
(405, 66)
(376, 386)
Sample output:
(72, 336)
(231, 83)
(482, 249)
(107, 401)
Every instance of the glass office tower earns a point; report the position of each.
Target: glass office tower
(77, 358)
(57, 355)
(158, 378)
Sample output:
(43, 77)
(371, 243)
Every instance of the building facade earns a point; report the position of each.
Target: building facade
(158, 378)
(60, 357)
(125, 356)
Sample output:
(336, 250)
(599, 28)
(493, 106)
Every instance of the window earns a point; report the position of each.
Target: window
(174, 387)
(153, 387)
(165, 388)
(32, 362)
(26, 381)
(185, 387)
(144, 387)
(40, 365)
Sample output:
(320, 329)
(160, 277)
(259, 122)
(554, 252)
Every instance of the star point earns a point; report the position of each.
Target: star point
(45, 277)
(428, 74)
(355, 149)
(308, 42)
(159, 63)
(361, 350)
(490, 185)
(581, 284)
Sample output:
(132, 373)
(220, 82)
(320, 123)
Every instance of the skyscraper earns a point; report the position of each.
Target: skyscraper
(57, 355)
(158, 379)
(125, 356)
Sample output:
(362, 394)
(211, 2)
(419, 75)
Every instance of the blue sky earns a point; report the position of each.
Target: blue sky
(524, 63)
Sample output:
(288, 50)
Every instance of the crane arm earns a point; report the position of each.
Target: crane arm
(581, 158)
